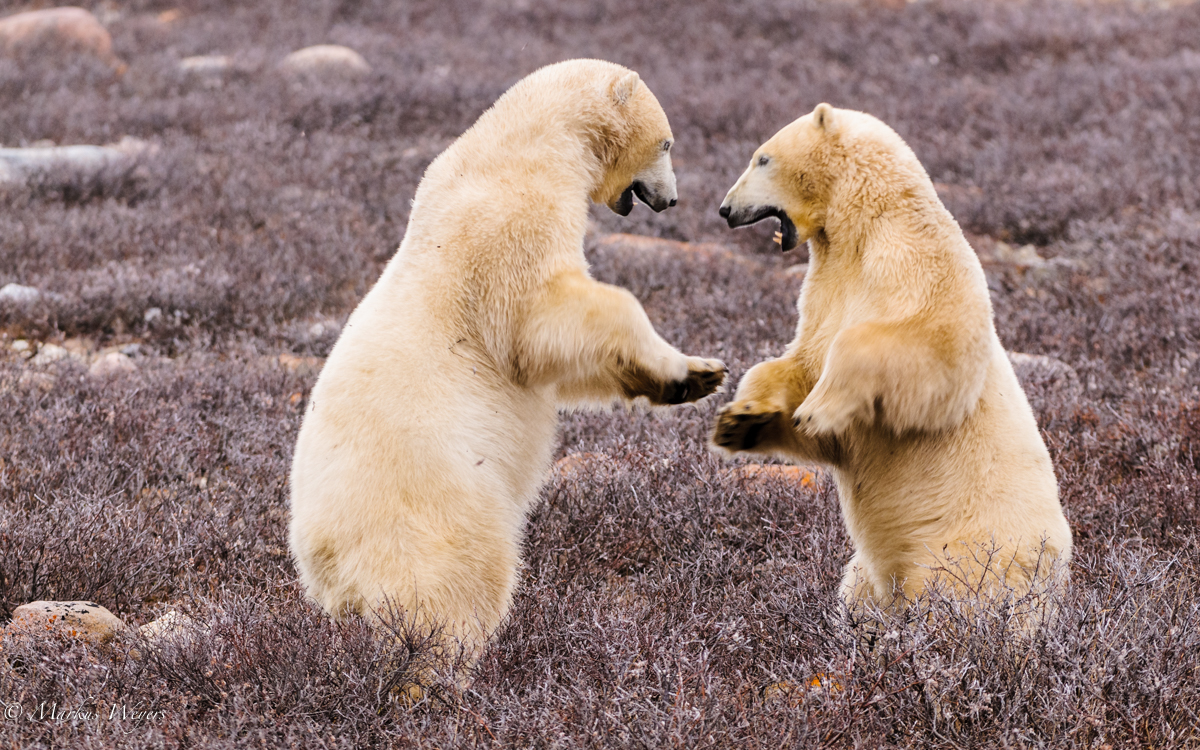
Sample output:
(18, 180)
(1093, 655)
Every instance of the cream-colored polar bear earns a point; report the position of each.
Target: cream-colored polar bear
(896, 378)
(431, 427)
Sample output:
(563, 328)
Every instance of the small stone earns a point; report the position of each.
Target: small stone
(206, 65)
(301, 365)
(79, 348)
(42, 381)
(1025, 256)
(210, 71)
(51, 32)
(75, 619)
(49, 354)
(132, 350)
(113, 363)
(171, 625)
(576, 463)
(21, 346)
(18, 293)
(17, 164)
(153, 314)
(325, 61)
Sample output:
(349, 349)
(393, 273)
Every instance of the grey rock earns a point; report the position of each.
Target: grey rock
(113, 363)
(210, 71)
(206, 65)
(17, 292)
(173, 624)
(19, 164)
(324, 62)
(41, 381)
(49, 354)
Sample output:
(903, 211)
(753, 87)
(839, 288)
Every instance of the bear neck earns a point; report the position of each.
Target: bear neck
(874, 191)
(561, 134)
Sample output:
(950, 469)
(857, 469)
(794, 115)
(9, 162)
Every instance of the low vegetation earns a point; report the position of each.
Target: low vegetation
(666, 600)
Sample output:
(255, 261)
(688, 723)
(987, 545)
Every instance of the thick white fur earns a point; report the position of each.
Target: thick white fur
(896, 378)
(431, 426)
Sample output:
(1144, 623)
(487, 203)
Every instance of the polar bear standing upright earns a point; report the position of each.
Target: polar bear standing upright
(430, 429)
(896, 378)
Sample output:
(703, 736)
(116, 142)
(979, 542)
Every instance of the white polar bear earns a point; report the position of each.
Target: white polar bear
(430, 429)
(896, 378)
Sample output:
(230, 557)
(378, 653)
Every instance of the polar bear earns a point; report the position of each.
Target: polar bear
(431, 426)
(896, 378)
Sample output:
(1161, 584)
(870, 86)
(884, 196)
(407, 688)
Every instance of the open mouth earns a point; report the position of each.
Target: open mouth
(624, 204)
(656, 205)
(788, 237)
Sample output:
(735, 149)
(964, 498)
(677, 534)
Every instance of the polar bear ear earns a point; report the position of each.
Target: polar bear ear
(823, 119)
(622, 90)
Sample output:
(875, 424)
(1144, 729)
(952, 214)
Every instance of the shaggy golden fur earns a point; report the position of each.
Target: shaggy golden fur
(896, 378)
(430, 429)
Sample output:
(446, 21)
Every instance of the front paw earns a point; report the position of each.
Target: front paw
(826, 413)
(740, 425)
(703, 378)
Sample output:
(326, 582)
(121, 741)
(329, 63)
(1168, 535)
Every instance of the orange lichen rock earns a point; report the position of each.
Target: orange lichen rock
(759, 472)
(50, 32)
(75, 619)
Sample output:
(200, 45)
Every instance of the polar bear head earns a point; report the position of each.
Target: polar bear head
(792, 175)
(828, 157)
(789, 178)
(633, 143)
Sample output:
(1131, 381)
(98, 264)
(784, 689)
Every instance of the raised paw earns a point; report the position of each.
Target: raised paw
(740, 425)
(703, 378)
(824, 413)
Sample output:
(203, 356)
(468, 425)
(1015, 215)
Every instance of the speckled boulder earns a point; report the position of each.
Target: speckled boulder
(78, 619)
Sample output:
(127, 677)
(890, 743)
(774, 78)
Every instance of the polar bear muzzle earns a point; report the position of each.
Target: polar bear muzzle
(653, 199)
(789, 237)
(653, 185)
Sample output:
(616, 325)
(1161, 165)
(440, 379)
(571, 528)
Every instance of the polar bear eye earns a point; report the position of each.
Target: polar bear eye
(667, 144)
(763, 160)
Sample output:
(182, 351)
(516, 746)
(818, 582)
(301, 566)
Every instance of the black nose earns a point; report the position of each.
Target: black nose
(672, 203)
(724, 212)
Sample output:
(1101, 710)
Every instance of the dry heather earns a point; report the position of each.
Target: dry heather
(666, 601)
